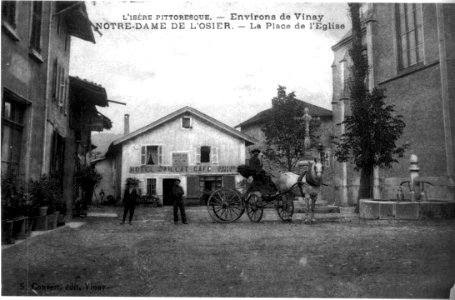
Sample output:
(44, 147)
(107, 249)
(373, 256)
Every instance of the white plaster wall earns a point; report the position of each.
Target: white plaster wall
(173, 138)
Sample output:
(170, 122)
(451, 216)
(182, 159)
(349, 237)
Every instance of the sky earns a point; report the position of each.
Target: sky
(230, 74)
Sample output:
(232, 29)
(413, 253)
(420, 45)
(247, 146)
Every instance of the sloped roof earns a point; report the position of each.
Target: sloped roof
(86, 90)
(185, 110)
(314, 110)
(76, 18)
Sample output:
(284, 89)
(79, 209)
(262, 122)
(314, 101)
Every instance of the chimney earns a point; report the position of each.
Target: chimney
(126, 125)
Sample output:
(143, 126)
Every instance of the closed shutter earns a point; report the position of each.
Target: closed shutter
(229, 181)
(198, 155)
(65, 101)
(160, 155)
(143, 154)
(192, 187)
(214, 155)
(55, 80)
(61, 85)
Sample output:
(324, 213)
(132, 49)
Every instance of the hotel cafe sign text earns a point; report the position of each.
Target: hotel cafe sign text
(182, 169)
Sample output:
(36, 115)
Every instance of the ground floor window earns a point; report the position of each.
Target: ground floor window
(210, 183)
(57, 157)
(151, 186)
(13, 119)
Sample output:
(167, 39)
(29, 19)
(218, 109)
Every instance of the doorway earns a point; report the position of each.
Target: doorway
(167, 191)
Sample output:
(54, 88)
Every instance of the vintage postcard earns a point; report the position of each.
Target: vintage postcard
(228, 149)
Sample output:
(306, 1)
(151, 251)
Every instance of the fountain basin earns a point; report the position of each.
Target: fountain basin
(406, 210)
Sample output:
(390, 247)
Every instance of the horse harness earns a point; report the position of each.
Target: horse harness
(309, 180)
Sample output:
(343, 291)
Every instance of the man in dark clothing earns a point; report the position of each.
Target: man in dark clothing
(256, 167)
(177, 196)
(129, 201)
(255, 162)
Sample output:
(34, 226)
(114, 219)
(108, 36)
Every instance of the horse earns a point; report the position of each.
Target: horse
(307, 185)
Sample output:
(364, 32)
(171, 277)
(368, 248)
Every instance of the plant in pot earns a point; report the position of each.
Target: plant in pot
(40, 195)
(61, 208)
(16, 210)
(87, 177)
(47, 193)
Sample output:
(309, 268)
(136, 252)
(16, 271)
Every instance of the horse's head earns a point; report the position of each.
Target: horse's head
(316, 170)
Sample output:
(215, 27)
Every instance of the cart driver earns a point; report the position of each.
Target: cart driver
(255, 165)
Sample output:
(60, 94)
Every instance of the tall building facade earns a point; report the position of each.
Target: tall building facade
(36, 90)
(411, 54)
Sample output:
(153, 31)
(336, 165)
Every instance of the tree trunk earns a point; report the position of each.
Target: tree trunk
(289, 160)
(366, 184)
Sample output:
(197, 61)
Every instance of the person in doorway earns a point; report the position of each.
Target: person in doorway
(129, 202)
(177, 197)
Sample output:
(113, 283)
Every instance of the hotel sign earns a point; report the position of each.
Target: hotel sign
(182, 169)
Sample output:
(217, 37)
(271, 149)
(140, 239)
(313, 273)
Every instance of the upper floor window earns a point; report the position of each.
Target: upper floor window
(410, 34)
(35, 38)
(205, 154)
(151, 155)
(9, 12)
(186, 122)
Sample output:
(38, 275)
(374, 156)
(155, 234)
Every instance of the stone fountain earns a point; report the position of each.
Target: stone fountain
(412, 201)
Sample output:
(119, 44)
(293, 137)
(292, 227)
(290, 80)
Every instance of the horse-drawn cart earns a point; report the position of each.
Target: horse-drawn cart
(228, 205)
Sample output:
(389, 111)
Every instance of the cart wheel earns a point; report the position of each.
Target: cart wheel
(285, 208)
(254, 207)
(225, 205)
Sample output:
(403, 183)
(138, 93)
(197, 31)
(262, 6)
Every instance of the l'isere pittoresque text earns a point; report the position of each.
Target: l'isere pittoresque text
(233, 20)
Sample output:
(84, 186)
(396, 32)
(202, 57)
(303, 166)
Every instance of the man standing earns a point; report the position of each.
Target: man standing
(177, 196)
(129, 201)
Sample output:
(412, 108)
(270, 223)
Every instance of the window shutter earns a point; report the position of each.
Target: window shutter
(214, 155)
(192, 187)
(61, 86)
(55, 80)
(198, 155)
(65, 101)
(160, 155)
(229, 181)
(143, 158)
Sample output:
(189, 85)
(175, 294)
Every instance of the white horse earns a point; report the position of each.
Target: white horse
(310, 185)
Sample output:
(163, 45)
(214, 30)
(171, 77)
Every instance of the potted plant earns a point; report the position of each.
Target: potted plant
(17, 207)
(61, 208)
(39, 193)
(48, 194)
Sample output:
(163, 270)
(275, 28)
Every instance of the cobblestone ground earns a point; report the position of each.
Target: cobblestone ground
(154, 257)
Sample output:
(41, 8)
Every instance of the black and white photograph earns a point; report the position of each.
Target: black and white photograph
(247, 149)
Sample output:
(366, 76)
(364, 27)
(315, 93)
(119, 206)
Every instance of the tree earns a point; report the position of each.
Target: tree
(285, 130)
(372, 130)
